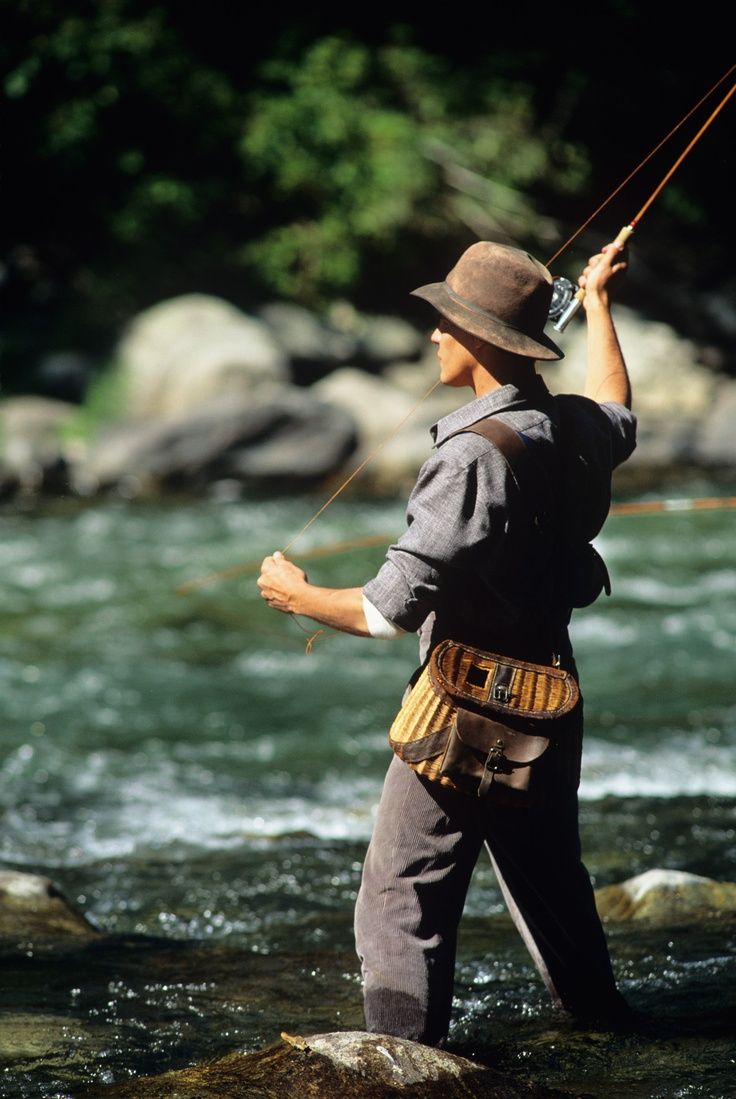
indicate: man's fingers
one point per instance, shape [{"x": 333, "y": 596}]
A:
[
  {"x": 611, "y": 257},
  {"x": 273, "y": 559}
]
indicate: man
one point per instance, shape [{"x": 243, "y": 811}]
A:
[{"x": 473, "y": 566}]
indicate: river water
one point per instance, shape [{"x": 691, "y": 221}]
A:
[{"x": 203, "y": 789}]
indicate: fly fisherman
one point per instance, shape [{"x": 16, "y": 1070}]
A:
[{"x": 472, "y": 567}]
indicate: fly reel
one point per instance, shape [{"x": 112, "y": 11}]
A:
[{"x": 564, "y": 304}]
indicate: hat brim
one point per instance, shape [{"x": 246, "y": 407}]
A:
[{"x": 480, "y": 323}]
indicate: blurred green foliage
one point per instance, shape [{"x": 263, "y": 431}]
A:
[
  {"x": 357, "y": 147},
  {"x": 104, "y": 402},
  {"x": 156, "y": 149},
  {"x": 342, "y": 162}
]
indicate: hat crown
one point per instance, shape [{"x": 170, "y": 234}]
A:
[{"x": 505, "y": 282}]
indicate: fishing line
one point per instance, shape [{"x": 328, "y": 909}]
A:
[
  {"x": 254, "y": 566},
  {"x": 238, "y": 570},
  {"x": 563, "y": 320},
  {"x": 653, "y": 507},
  {"x": 361, "y": 467},
  {"x": 341, "y": 488}
]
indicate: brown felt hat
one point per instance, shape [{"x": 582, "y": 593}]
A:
[{"x": 500, "y": 294}]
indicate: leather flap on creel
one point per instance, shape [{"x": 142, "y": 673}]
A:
[{"x": 482, "y": 735}]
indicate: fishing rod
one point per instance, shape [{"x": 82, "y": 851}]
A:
[
  {"x": 566, "y": 300},
  {"x": 658, "y": 507}
]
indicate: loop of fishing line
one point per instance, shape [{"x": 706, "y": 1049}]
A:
[{"x": 564, "y": 318}]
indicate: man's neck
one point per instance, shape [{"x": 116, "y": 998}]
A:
[{"x": 499, "y": 368}]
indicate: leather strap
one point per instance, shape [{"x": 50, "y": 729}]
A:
[
  {"x": 517, "y": 454},
  {"x": 508, "y": 441}
]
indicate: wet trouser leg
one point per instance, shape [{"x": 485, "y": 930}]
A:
[{"x": 415, "y": 878}]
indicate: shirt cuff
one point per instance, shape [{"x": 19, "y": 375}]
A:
[{"x": 378, "y": 626}]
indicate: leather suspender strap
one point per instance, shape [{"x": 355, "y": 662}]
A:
[
  {"x": 508, "y": 441},
  {"x": 517, "y": 455}
]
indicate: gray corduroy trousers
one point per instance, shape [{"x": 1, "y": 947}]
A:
[{"x": 425, "y": 844}]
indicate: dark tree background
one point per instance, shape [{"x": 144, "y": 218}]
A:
[{"x": 157, "y": 149}]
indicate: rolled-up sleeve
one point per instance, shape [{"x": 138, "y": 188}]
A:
[{"x": 456, "y": 506}]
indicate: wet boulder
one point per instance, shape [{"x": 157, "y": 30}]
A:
[
  {"x": 32, "y": 907},
  {"x": 339, "y": 1065},
  {"x": 666, "y": 897}
]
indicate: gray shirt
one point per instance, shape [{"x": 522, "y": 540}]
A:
[{"x": 457, "y": 570}]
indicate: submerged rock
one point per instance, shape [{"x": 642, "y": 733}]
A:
[
  {"x": 32, "y": 907},
  {"x": 339, "y": 1065},
  {"x": 667, "y": 896}
]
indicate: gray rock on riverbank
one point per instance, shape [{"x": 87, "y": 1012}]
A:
[
  {"x": 183, "y": 352},
  {"x": 681, "y": 403},
  {"x": 283, "y": 440},
  {"x": 33, "y": 455}
]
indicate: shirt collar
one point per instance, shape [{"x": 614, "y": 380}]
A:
[{"x": 505, "y": 399}]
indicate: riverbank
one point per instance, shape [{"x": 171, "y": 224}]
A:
[{"x": 206, "y": 399}]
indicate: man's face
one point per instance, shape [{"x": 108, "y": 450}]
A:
[{"x": 456, "y": 359}]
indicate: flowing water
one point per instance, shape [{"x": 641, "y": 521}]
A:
[{"x": 203, "y": 789}]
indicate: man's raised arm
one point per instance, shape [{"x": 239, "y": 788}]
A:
[{"x": 607, "y": 378}]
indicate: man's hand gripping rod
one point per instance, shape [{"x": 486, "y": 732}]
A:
[{"x": 577, "y": 300}]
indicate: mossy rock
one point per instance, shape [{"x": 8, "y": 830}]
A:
[
  {"x": 666, "y": 897},
  {"x": 340, "y": 1065}
]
